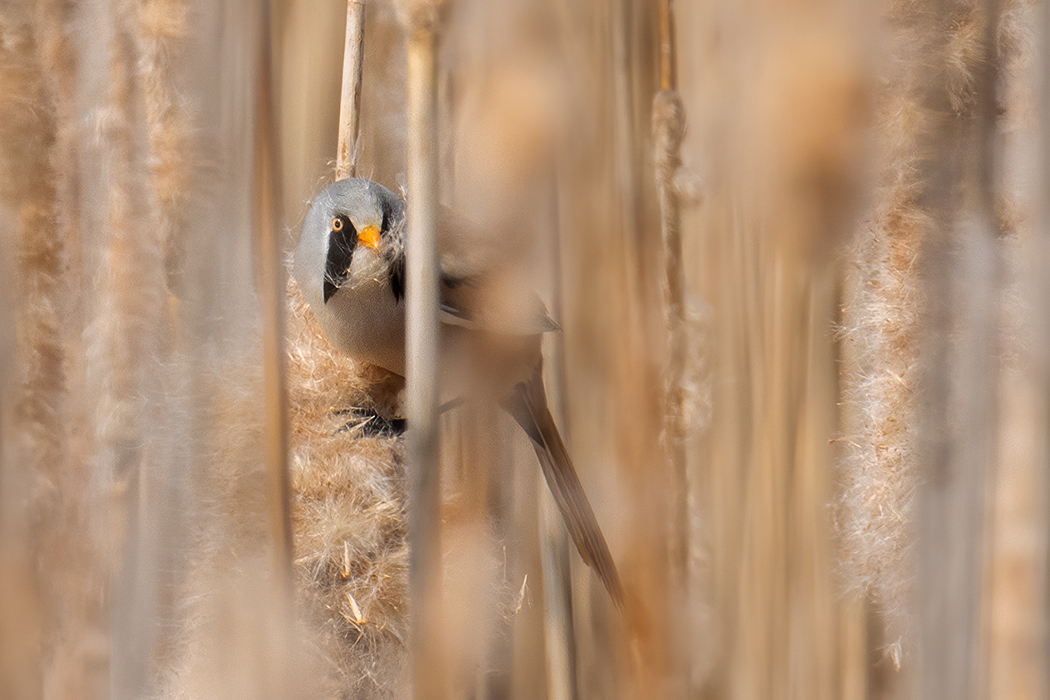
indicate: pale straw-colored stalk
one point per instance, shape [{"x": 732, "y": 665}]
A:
[
  {"x": 559, "y": 634},
  {"x": 668, "y": 124},
  {"x": 423, "y": 456},
  {"x": 128, "y": 334},
  {"x": 33, "y": 531},
  {"x": 350, "y": 97},
  {"x": 960, "y": 379},
  {"x": 1041, "y": 298},
  {"x": 272, "y": 299}
]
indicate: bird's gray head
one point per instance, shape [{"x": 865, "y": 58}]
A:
[{"x": 350, "y": 224}]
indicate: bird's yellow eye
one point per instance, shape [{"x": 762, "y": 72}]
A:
[{"x": 337, "y": 223}]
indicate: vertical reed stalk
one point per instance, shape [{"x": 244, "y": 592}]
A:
[
  {"x": 668, "y": 125},
  {"x": 34, "y": 534},
  {"x": 350, "y": 98},
  {"x": 1041, "y": 286},
  {"x": 559, "y": 635},
  {"x": 422, "y": 358},
  {"x": 668, "y": 56},
  {"x": 961, "y": 383},
  {"x": 271, "y": 297},
  {"x": 130, "y": 329}
]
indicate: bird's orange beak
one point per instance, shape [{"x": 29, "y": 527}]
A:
[{"x": 369, "y": 236}]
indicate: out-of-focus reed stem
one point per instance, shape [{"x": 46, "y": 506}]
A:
[
  {"x": 33, "y": 386},
  {"x": 422, "y": 359},
  {"x": 668, "y": 57},
  {"x": 1041, "y": 275},
  {"x": 271, "y": 297},
  {"x": 559, "y": 634},
  {"x": 668, "y": 119},
  {"x": 350, "y": 100},
  {"x": 960, "y": 383},
  {"x": 130, "y": 323},
  {"x": 668, "y": 124}
]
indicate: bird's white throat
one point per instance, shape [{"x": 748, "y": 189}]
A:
[{"x": 366, "y": 267}]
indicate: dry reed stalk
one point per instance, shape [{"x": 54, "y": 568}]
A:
[
  {"x": 421, "y": 349},
  {"x": 162, "y": 27},
  {"x": 33, "y": 391},
  {"x": 272, "y": 299},
  {"x": 961, "y": 261},
  {"x": 1041, "y": 298},
  {"x": 128, "y": 334},
  {"x": 1038, "y": 288},
  {"x": 1014, "y": 601},
  {"x": 43, "y": 508},
  {"x": 668, "y": 125},
  {"x": 62, "y": 55},
  {"x": 882, "y": 328},
  {"x": 559, "y": 636},
  {"x": 668, "y": 55},
  {"x": 702, "y": 77},
  {"x": 27, "y": 187},
  {"x": 64, "y": 52},
  {"x": 350, "y": 97},
  {"x": 70, "y": 547},
  {"x": 652, "y": 613}
]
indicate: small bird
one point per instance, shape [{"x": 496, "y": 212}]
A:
[{"x": 350, "y": 267}]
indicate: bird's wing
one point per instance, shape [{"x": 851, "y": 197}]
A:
[
  {"x": 459, "y": 303},
  {"x": 481, "y": 287},
  {"x": 528, "y": 405},
  {"x": 477, "y": 303}
]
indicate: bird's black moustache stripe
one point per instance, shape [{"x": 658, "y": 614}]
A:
[
  {"x": 397, "y": 264},
  {"x": 341, "y": 246},
  {"x": 397, "y": 277}
]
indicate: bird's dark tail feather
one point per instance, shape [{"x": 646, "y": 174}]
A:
[{"x": 528, "y": 406}]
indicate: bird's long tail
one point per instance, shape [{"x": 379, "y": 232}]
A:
[{"x": 528, "y": 406}]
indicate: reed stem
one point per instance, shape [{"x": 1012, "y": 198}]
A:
[
  {"x": 350, "y": 99},
  {"x": 422, "y": 365},
  {"x": 668, "y": 123},
  {"x": 271, "y": 293}
]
